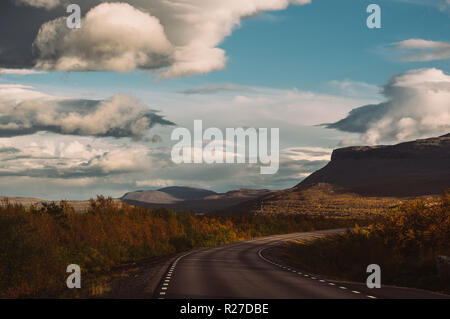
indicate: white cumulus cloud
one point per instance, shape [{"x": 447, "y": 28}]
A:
[
  {"x": 175, "y": 38},
  {"x": 114, "y": 36},
  {"x": 418, "y": 105}
]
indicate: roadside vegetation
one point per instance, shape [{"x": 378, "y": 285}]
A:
[
  {"x": 328, "y": 200},
  {"x": 404, "y": 241},
  {"x": 39, "y": 242}
]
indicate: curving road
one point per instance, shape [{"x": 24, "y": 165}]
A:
[{"x": 240, "y": 270}]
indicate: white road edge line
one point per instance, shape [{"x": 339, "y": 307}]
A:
[
  {"x": 305, "y": 275},
  {"x": 169, "y": 274}
]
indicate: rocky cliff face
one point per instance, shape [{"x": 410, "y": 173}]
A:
[
  {"x": 431, "y": 148},
  {"x": 415, "y": 168}
]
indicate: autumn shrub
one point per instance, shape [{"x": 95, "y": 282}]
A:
[
  {"x": 404, "y": 242},
  {"x": 37, "y": 243}
]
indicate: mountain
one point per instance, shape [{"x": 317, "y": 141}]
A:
[
  {"x": 421, "y": 167},
  {"x": 184, "y": 199},
  {"x": 364, "y": 179},
  {"x": 187, "y": 193},
  {"x": 150, "y": 197},
  {"x": 167, "y": 195}
]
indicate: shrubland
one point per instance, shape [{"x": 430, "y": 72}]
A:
[
  {"x": 38, "y": 243},
  {"x": 405, "y": 241}
]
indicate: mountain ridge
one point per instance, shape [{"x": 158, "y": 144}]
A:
[
  {"x": 364, "y": 179},
  {"x": 168, "y": 195},
  {"x": 415, "y": 168},
  {"x": 184, "y": 198}
]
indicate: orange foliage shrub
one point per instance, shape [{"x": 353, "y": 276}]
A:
[
  {"x": 404, "y": 241},
  {"x": 38, "y": 243}
]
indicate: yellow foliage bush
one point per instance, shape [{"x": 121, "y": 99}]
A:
[{"x": 38, "y": 243}]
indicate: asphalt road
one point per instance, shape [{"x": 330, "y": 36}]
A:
[{"x": 240, "y": 270}]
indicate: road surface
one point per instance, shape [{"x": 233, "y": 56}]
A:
[{"x": 240, "y": 270}]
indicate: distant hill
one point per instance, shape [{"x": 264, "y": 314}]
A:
[
  {"x": 79, "y": 206},
  {"x": 184, "y": 199},
  {"x": 25, "y": 201},
  {"x": 150, "y": 197},
  {"x": 168, "y": 195},
  {"x": 187, "y": 193},
  {"x": 242, "y": 193},
  {"x": 364, "y": 179},
  {"x": 178, "y": 198}
]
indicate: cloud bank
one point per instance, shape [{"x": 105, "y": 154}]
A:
[
  {"x": 46, "y": 4},
  {"x": 19, "y": 71},
  {"x": 214, "y": 88},
  {"x": 119, "y": 116},
  {"x": 423, "y": 50},
  {"x": 74, "y": 166},
  {"x": 418, "y": 105},
  {"x": 69, "y": 160}
]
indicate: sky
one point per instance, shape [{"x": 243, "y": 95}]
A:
[{"x": 90, "y": 111}]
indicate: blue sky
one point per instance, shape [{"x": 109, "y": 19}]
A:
[
  {"x": 329, "y": 40},
  {"x": 303, "y": 47},
  {"x": 290, "y": 68}
]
